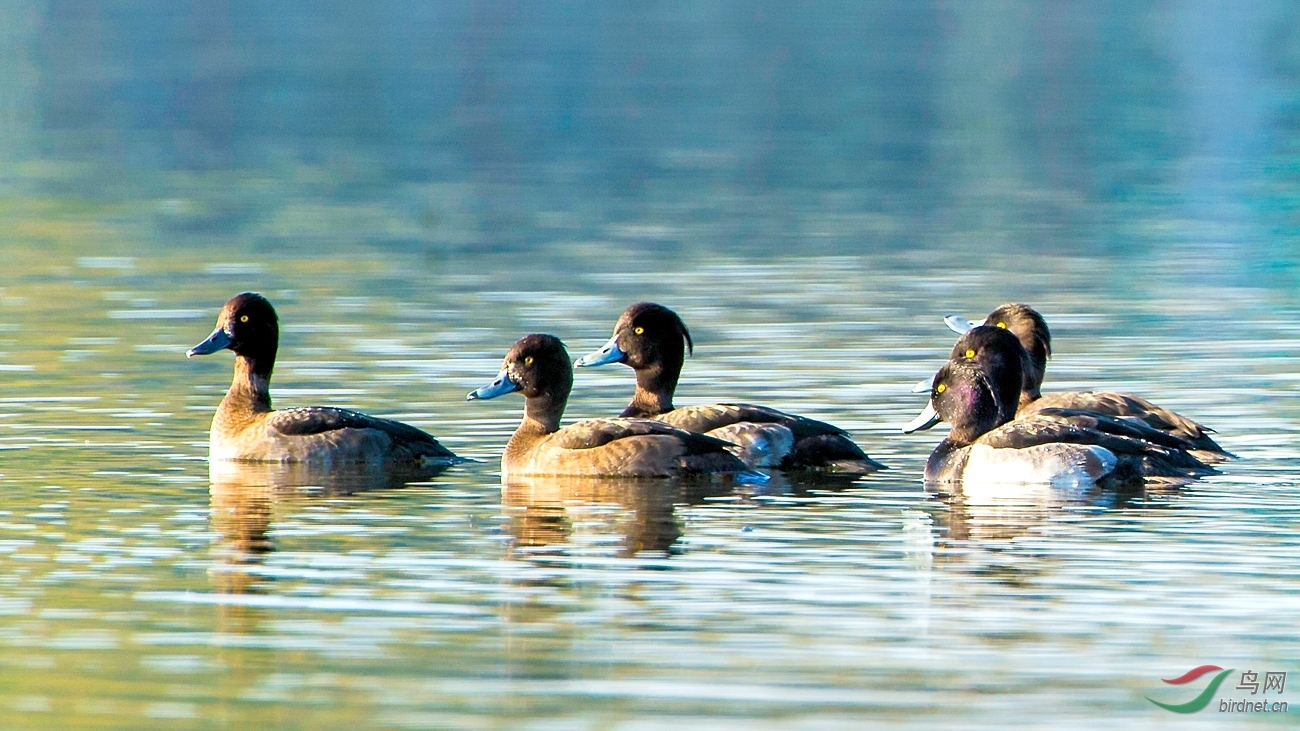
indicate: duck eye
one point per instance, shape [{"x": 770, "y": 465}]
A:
[
  {"x": 1002, "y": 325},
  {"x": 970, "y": 353},
  {"x": 528, "y": 360},
  {"x": 639, "y": 330},
  {"x": 243, "y": 318},
  {"x": 941, "y": 388}
]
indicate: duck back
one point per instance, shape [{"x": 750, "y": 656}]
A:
[{"x": 617, "y": 448}]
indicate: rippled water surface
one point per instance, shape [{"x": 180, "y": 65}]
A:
[
  {"x": 811, "y": 186},
  {"x": 139, "y": 589}
]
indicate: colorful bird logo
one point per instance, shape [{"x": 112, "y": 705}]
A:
[{"x": 1201, "y": 700}]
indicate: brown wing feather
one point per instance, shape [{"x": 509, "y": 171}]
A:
[
  {"x": 1126, "y": 405},
  {"x": 1124, "y": 426},
  {"x": 1117, "y": 404},
  {"x": 756, "y": 430},
  {"x": 321, "y": 420},
  {"x": 593, "y": 433},
  {"x": 715, "y": 416},
  {"x": 1036, "y": 430},
  {"x": 652, "y": 454}
]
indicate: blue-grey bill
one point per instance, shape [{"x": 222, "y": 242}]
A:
[
  {"x": 499, "y": 386},
  {"x": 959, "y": 324},
  {"x": 924, "y": 420},
  {"x": 923, "y": 386},
  {"x": 608, "y": 353},
  {"x": 218, "y": 340}
]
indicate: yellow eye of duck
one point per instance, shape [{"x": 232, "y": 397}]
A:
[
  {"x": 970, "y": 353},
  {"x": 638, "y": 330},
  {"x": 1002, "y": 325},
  {"x": 941, "y": 388},
  {"x": 528, "y": 360},
  {"x": 243, "y": 318}
]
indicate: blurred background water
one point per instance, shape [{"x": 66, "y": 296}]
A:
[{"x": 811, "y": 185}]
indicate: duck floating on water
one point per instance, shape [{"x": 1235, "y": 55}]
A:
[
  {"x": 538, "y": 366},
  {"x": 991, "y": 442},
  {"x": 654, "y": 342},
  {"x": 247, "y": 428},
  {"x": 1030, "y": 328}
]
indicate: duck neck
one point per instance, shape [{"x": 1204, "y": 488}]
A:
[
  {"x": 961, "y": 435},
  {"x": 1028, "y": 396},
  {"x": 1038, "y": 354},
  {"x": 1009, "y": 398},
  {"x": 542, "y": 414},
  {"x": 655, "y": 385},
  {"x": 251, "y": 387},
  {"x": 541, "y": 417},
  {"x": 1035, "y": 365}
]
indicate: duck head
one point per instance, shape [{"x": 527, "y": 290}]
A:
[
  {"x": 654, "y": 342},
  {"x": 537, "y": 366},
  {"x": 999, "y": 354},
  {"x": 1029, "y": 327},
  {"x": 646, "y": 335},
  {"x": 966, "y": 397},
  {"x": 247, "y": 325}
]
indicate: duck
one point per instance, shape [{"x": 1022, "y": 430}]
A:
[
  {"x": 654, "y": 341},
  {"x": 999, "y": 353},
  {"x": 246, "y": 428},
  {"x": 984, "y": 446},
  {"x": 538, "y": 367},
  {"x": 1030, "y": 329}
]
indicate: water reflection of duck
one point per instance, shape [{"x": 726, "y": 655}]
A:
[
  {"x": 242, "y": 498},
  {"x": 543, "y": 510},
  {"x": 992, "y": 519},
  {"x": 538, "y": 367},
  {"x": 245, "y": 426},
  {"x": 1035, "y": 338},
  {"x": 241, "y": 517},
  {"x": 1059, "y": 447},
  {"x": 988, "y": 515},
  {"x": 653, "y": 341}
]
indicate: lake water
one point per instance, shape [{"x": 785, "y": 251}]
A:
[
  {"x": 138, "y": 591},
  {"x": 811, "y": 191}
]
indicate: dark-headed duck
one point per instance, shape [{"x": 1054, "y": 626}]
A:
[
  {"x": 1061, "y": 449},
  {"x": 246, "y": 428},
  {"x": 653, "y": 341},
  {"x": 538, "y": 367},
  {"x": 1031, "y": 330}
]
